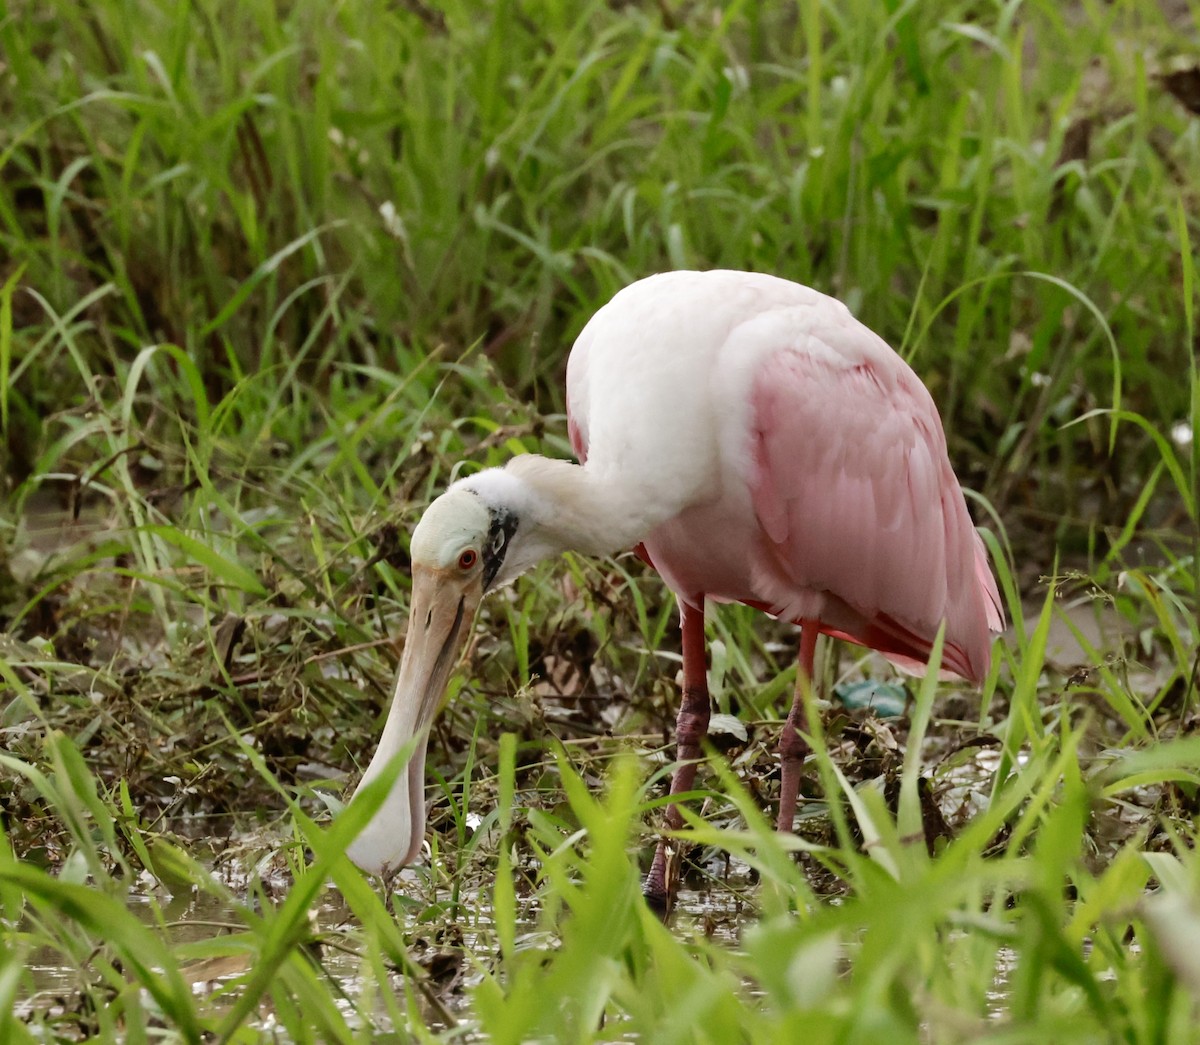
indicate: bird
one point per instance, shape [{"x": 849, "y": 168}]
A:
[{"x": 753, "y": 442}]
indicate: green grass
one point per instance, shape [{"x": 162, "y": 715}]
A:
[{"x": 269, "y": 274}]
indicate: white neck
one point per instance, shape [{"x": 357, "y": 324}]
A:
[
  {"x": 589, "y": 513},
  {"x": 567, "y": 507}
]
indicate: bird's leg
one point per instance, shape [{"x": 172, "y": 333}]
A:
[
  {"x": 792, "y": 747},
  {"x": 690, "y": 730}
]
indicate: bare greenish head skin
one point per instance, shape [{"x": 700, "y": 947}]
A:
[{"x": 455, "y": 522}]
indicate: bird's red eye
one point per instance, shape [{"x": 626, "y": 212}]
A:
[{"x": 467, "y": 559}]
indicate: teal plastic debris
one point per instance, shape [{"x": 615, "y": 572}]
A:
[{"x": 886, "y": 699}]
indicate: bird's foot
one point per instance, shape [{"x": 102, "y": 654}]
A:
[
  {"x": 658, "y": 900},
  {"x": 662, "y": 882}
]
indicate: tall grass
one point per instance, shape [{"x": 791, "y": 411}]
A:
[
  {"x": 1021, "y": 941},
  {"x": 269, "y": 274}
]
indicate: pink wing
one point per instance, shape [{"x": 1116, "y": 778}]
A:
[
  {"x": 862, "y": 511},
  {"x": 577, "y": 421},
  {"x": 577, "y": 442}
]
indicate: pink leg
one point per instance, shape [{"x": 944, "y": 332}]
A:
[
  {"x": 792, "y": 747},
  {"x": 690, "y": 729}
]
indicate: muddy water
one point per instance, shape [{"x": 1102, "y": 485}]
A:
[
  {"x": 451, "y": 950},
  {"x": 61, "y": 990}
]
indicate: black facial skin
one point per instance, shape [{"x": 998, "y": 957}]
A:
[{"x": 503, "y": 525}]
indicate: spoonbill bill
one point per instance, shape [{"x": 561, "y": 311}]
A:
[{"x": 754, "y": 443}]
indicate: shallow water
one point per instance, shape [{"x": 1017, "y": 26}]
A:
[{"x": 450, "y": 951}]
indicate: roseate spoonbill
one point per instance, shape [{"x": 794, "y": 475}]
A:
[{"x": 754, "y": 442}]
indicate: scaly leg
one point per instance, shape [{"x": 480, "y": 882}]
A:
[
  {"x": 690, "y": 729},
  {"x": 792, "y": 747}
]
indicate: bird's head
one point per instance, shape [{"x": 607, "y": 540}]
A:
[
  {"x": 482, "y": 533},
  {"x": 467, "y": 542}
]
